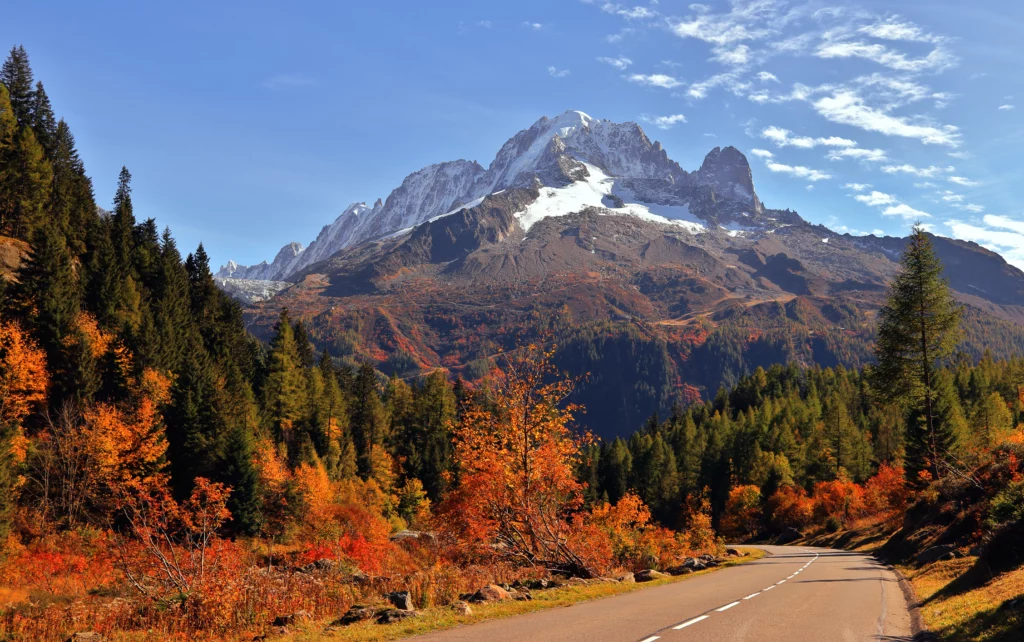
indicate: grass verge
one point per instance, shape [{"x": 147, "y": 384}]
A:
[{"x": 437, "y": 619}]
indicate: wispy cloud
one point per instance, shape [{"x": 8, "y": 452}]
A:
[
  {"x": 924, "y": 172},
  {"x": 798, "y": 171},
  {"x": 875, "y": 199},
  {"x": 1006, "y": 107},
  {"x": 664, "y": 122},
  {"x": 536, "y": 26},
  {"x": 619, "y": 63},
  {"x": 998, "y": 233},
  {"x": 905, "y": 211},
  {"x": 960, "y": 180},
  {"x": 767, "y": 76},
  {"x": 857, "y": 187},
  {"x": 763, "y": 153},
  {"x": 785, "y": 138},
  {"x": 848, "y": 108},
  {"x": 655, "y": 80},
  {"x": 740, "y": 55},
  {"x": 858, "y": 153},
  {"x": 555, "y": 72}
]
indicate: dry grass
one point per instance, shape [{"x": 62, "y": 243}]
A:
[
  {"x": 958, "y": 610},
  {"x": 440, "y": 618}
]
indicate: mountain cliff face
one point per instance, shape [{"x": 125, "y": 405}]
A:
[
  {"x": 553, "y": 152},
  {"x": 661, "y": 283}
]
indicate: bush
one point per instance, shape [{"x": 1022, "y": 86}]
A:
[
  {"x": 1008, "y": 505},
  {"x": 833, "y": 524}
]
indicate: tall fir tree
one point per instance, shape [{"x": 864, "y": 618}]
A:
[
  {"x": 918, "y": 327},
  {"x": 16, "y": 75},
  {"x": 44, "y": 123}
]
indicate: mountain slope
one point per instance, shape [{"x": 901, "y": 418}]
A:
[{"x": 662, "y": 283}]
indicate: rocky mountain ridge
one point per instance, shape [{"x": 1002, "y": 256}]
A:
[{"x": 551, "y": 153}]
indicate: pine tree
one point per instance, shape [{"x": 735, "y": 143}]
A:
[
  {"x": 49, "y": 288},
  {"x": 918, "y": 327},
  {"x": 25, "y": 174},
  {"x": 239, "y": 472},
  {"x": 16, "y": 75},
  {"x": 196, "y": 431},
  {"x": 285, "y": 399},
  {"x": 369, "y": 420},
  {"x": 44, "y": 124},
  {"x": 72, "y": 206},
  {"x": 172, "y": 315}
]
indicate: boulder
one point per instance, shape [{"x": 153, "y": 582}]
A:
[
  {"x": 401, "y": 600},
  {"x": 733, "y": 552},
  {"x": 322, "y": 565},
  {"x": 935, "y": 553},
  {"x": 357, "y": 613},
  {"x": 490, "y": 593},
  {"x": 462, "y": 608},
  {"x": 648, "y": 575},
  {"x": 407, "y": 536},
  {"x": 625, "y": 578},
  {"x": 390, "y": 616},
  {"x": 788, "y": 535},
  {"x": 292, "y": 618}
]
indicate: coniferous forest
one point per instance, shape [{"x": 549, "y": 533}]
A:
[{"x": 163, "y": 473}]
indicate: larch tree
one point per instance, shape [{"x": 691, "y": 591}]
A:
[{"x": 918, "y": 327}]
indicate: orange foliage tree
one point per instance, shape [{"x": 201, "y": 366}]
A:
[
  {"x": 789, "y": 507},
  {"x": 516, "y": 459},
  {"x": 742, "y": 517},
  {"x": 23, "y": 375},
  {"x": 838, "y": 501}
]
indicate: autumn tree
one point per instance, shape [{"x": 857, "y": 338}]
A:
[
  {"x": 516, "y": 458},
  {"x": 918, "y": 326},
  {"x": 23, "y": 384}
]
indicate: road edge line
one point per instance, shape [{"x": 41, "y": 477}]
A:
[{"x": 917, "y": 626}]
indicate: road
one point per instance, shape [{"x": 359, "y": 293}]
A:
[{"x": 796, "y": 594}]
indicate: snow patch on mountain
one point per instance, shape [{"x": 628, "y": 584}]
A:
[{"x": 594, "y": 191}]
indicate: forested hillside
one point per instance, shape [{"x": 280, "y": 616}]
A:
[{"x": 164, "y": 474}]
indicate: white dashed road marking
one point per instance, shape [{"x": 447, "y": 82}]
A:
[
  {"x": 701, "y": 618},
  {"x": 689, "y": 622}
]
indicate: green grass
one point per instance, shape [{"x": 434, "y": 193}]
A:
[{"x": 436, "y": 619}]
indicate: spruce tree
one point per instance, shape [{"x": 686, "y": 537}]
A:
[
  {"x": 918, "y": 326},
  {"x": 16, "y": 75},
  {"x": 368, "y": 421},
  {"x": 44, "y": 124}
]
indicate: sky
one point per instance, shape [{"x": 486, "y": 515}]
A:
[{"x": 247, "y": 125}]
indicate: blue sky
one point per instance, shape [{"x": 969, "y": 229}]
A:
[{"x": 250, "y": 124}]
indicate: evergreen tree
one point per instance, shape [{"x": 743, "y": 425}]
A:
[
  {"x": 172, "y": 315},
  {"x": 369, "y": 420},
  {"x": 8, "y": 480},
  {"x": 285, "y": 401},
  {"x": 72, "y": 206},
  {"x": 16, "y": 75},
  {"x": 44, "y": 124},
  {"x": 49, "y": 289},
  {"x": 918, "y": 326},
  {"x": 239, "y": 472},
  {"x": 25, "y": 175},
  {"x": 196, "y": 431}
]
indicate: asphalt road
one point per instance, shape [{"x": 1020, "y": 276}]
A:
[{"x": 796, "y": 594}]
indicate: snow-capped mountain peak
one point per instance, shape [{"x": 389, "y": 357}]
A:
[{"x": 554, "y": 153}]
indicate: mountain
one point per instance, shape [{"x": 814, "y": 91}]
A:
[{"x": 661, "y": 283}]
